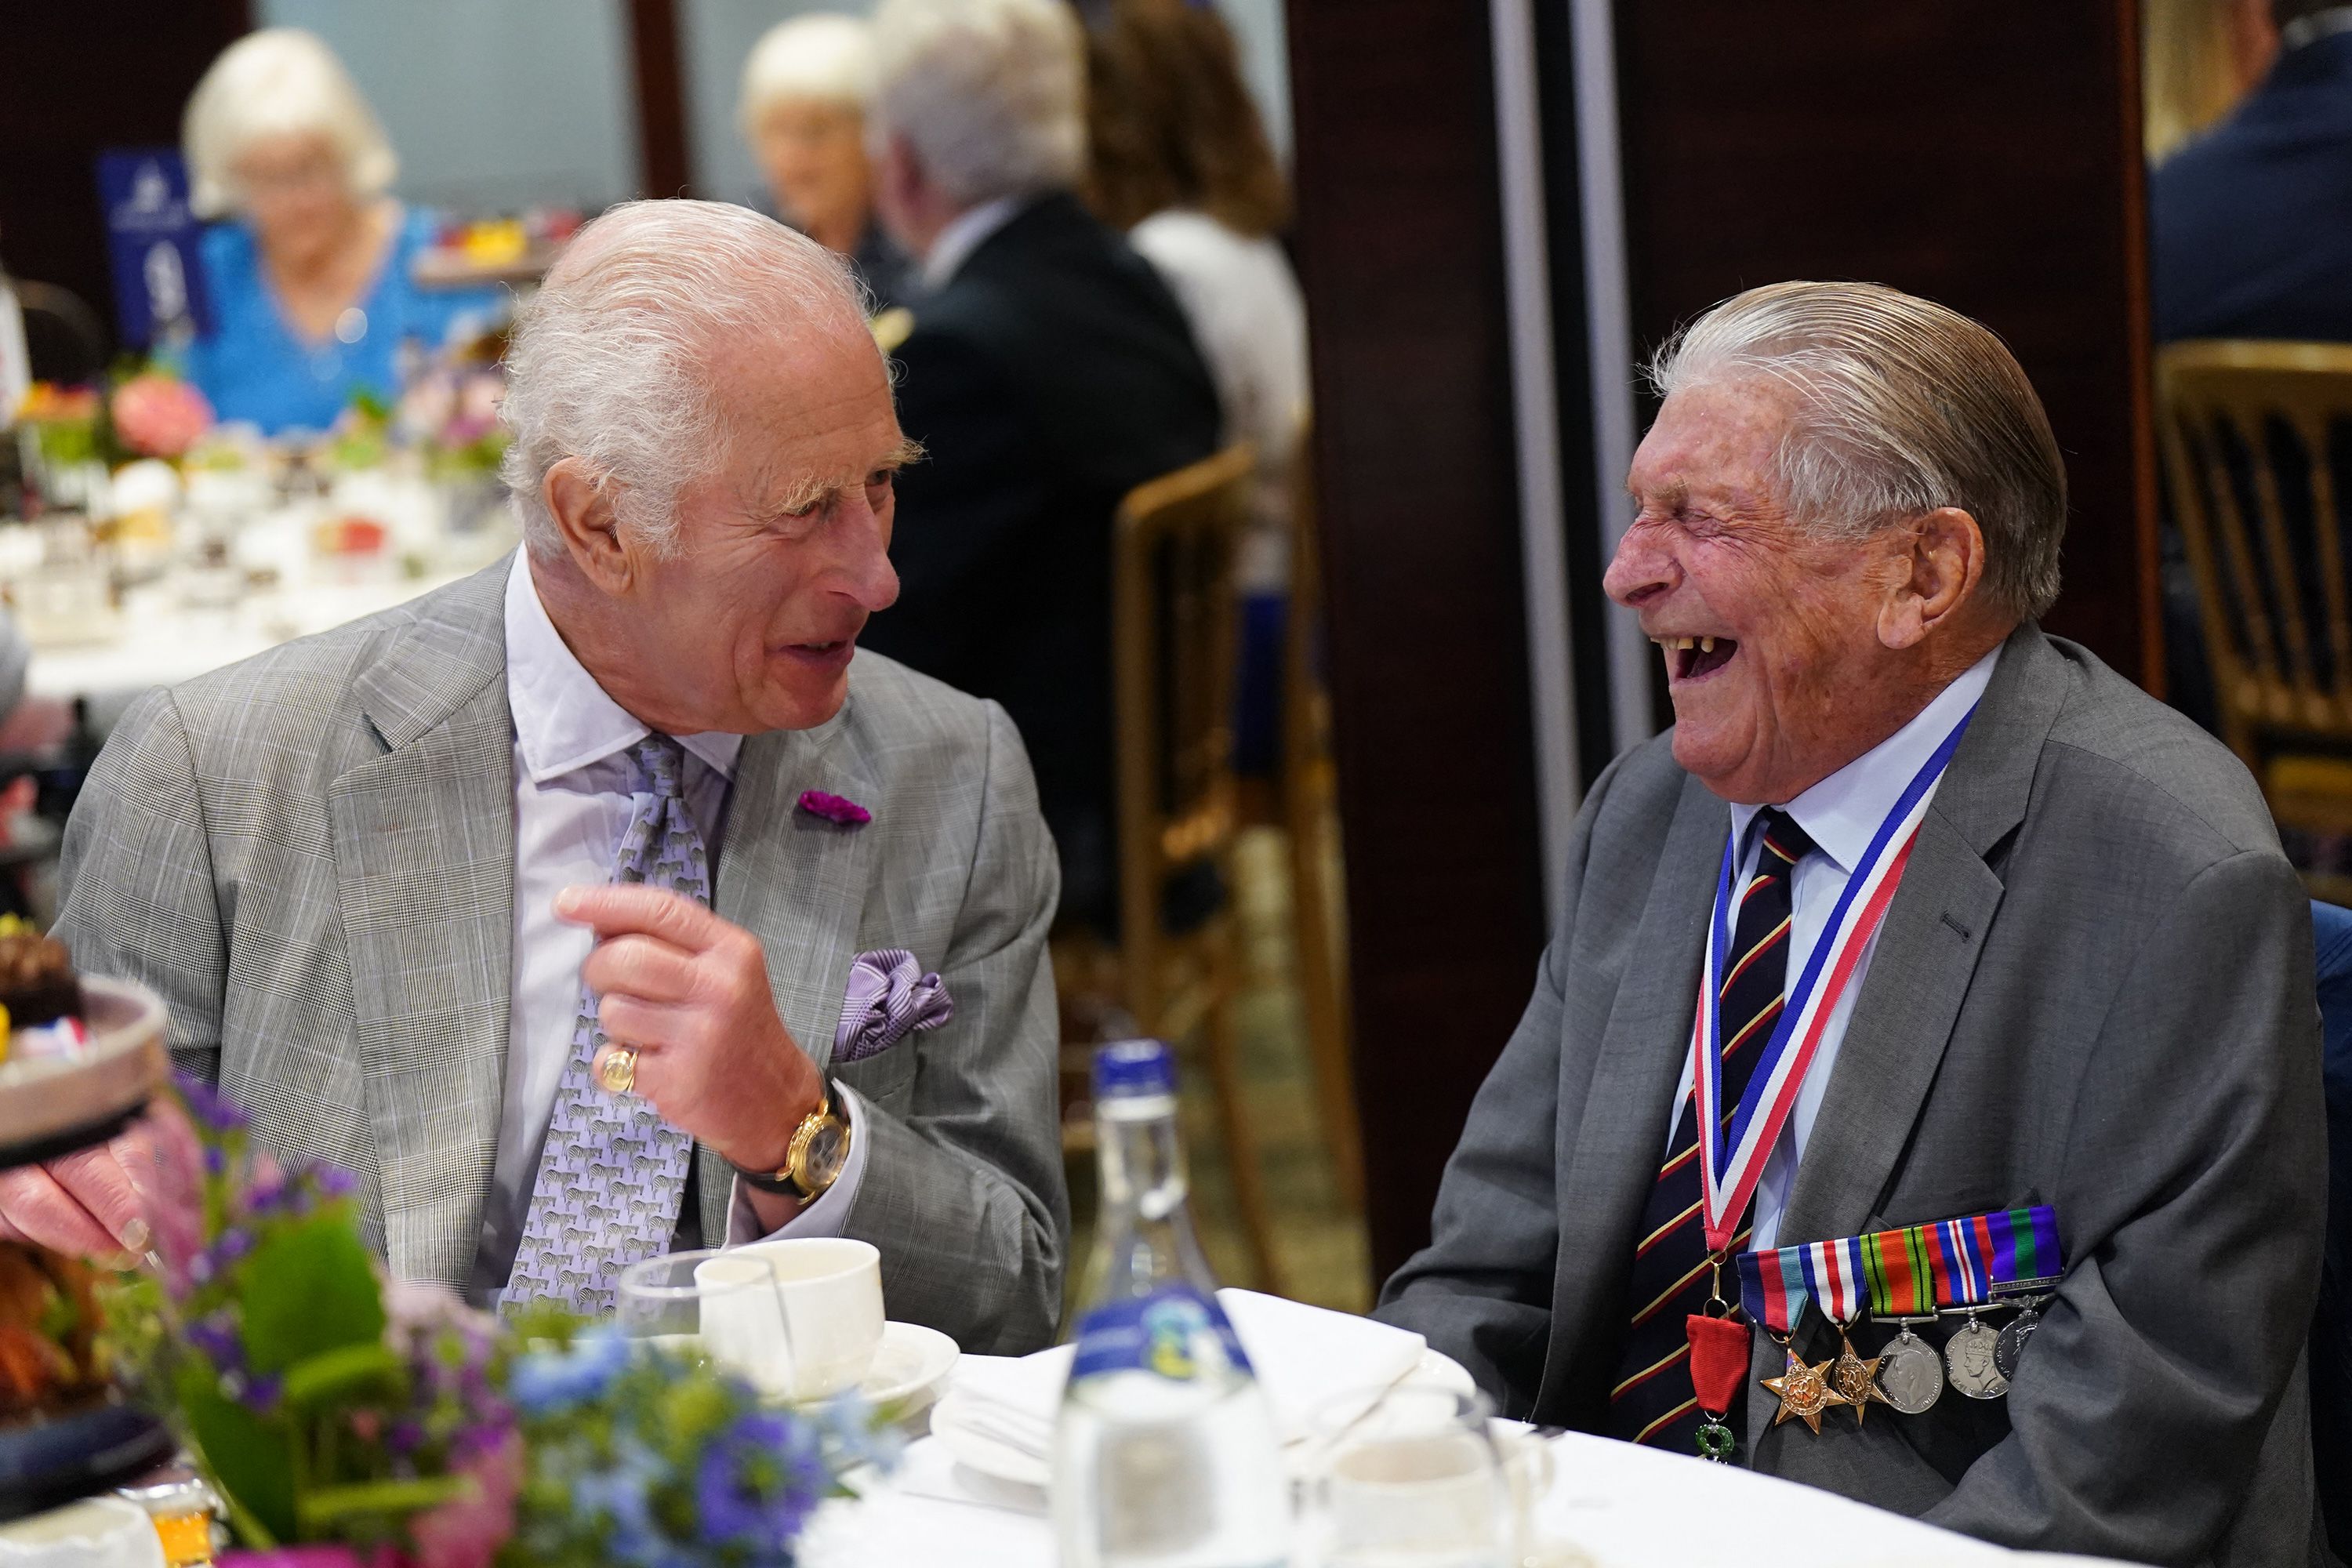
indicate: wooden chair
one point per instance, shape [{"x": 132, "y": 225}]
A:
[
  {"x": 1311, "y": 822},
  {"x": 2251, "y": 432},
  {"x": 1176, "y": 645}
]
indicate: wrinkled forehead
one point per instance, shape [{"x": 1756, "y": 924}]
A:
[
  {"x": 1716, "y": 440},
  {"x": 804, "y": 408}
]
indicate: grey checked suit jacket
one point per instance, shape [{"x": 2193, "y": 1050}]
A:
[
  {"x": 310, "y": 857},
  {"x": 2094, "y": 989}
]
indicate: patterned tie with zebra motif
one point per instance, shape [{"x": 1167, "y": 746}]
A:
[{"x": 612, "y": 1171}]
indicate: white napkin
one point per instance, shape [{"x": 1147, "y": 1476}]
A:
[{"x": 1305, "y": 1357}]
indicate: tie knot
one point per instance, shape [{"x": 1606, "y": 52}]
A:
[
  {"x": 661, "y": 765},
  {"x": 1782, "y": 836}
]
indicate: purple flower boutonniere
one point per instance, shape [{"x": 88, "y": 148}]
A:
[{"x": 835, "y": 808}]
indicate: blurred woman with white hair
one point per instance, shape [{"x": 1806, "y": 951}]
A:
[
  {"x": 311, "y": 275},
  {"x": 806, "y": 87}
]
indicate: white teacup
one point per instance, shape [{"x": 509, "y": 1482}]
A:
[{"x": 814, "y": 1331}]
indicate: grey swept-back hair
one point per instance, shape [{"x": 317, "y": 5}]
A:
[
  {"x": 608, "y": 361},
  {"x": 1903, "y": 406},
  {"x": 990, "y": 93}
]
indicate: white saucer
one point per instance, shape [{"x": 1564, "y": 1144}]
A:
[{"x": 909, "y": 1368}]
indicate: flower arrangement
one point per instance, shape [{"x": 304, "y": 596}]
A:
[
  {"x": 157, "y": 415},
  {"x": 387, "y": 1425}
]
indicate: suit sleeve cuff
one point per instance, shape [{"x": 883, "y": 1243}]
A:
[{"x": 822, "y": 1217}]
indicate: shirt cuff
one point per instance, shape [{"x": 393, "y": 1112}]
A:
[{"x": 822, "y": 1217}]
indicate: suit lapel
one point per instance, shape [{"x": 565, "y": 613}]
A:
[
  {"x": 798, "y": 883},
  {"x": 423, "y": 837},
  {"x": 1613, "y": 1153}
]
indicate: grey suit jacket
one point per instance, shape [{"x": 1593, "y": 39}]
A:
[
  {"x": 310, "y": 857},
  {"x": 2094, "y": 989}
]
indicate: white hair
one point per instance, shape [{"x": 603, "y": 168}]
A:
[
  {"x": 823, "y": 55},
  {"x": 991, "y": 94},
  {"x": 1903, "y": 406},
  {"x": 606, "y": 364},
  {"x": 279, "y": 81}
]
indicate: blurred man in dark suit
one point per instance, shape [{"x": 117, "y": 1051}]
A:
[
  {"x": 2251, "y": 225},
  {"x": 1047, "y": 371}
]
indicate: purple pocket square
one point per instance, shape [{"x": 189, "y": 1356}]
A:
[{"x": 889, "y": 997}]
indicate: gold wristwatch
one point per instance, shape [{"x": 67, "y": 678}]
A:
[{"x": 816, "y": 1156}]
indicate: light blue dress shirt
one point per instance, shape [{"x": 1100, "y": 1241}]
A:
[
  {"x": 1841, "y": 813},
  {"x": 571, "y": 779}
]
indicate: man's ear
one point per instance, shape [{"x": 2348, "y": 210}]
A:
[
  {"x": 582, "y": 510},
  {"x": 1944, "y": 552}
]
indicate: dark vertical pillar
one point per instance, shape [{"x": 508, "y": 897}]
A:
[
  {"x": 74, "y": 81},
  {"x": 1985, "y": 155},
  {"x": 1399, "y": 240},
  {"x": 660, "y": 76}
]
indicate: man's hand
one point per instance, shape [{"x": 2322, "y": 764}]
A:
[
  {"x": 142, "y": 1190},
  {"x": 689, "y": 994}
]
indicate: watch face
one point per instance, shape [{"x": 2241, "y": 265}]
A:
[{"x": 828, "y": 1150}]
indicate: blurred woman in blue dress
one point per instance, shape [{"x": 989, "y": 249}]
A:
[{"x": 311, "y": 273}]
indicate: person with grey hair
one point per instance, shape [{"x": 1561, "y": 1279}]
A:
[
  {"x": 1047, "y": 371},
  {"x": 1978, "y": 969},
  {"x": 611, "y": 901}
]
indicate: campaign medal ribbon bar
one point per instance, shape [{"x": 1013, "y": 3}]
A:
[{"x": 1905, "y": 1277}]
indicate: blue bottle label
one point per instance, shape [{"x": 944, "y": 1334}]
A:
[{"x": 1175, "y": 1333}]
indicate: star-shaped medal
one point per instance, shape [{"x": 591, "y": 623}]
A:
[
  {"x": 1856, "y": 1379},
  {"x": 1804, "y": 1390}
]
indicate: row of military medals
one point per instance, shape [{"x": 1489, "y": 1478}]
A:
[
  {"x": 2009, "y": 1262},
  {"x": 1909, "y": 1373}
]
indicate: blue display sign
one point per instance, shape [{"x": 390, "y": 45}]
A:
[{"x": 150, "y": 237}]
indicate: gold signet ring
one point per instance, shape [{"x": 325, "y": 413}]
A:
[{"x": 618, "y": 1070}]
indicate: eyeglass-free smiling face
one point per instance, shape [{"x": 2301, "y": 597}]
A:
[{"x": 1788, "y": 652}]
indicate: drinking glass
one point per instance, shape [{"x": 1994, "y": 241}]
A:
[
  {"x": 724, "y": 1303},
  {"x": 1408, "y": 1478}
]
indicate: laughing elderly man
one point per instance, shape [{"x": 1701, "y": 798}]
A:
[
  {"x": 1987, "y": 969},
  {"x": 609, "y": 901}
]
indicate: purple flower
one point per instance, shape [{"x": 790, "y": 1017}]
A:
[
  {"x": 334, "y": 1182},
  {"x": 216, "y": 1340},
  {"x": 758, "y": 1482},
  {"x": 210, "y": 1107},
  {"x": 260, "y": 1394},
  {"x": 835, "y": 808}
]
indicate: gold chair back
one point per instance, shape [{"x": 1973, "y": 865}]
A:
[
  {"x": 2256, "y": 436},
  {"x": 1176, "y": 647}
]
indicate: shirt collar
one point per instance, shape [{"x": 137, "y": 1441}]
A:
[
  {"x": 1843, "y": 812},
  {"x": 970, "y": 230},
  {"x": 563, "y": 721}
]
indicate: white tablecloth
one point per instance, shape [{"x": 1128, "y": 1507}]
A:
[
  {"x": 1621, "y": 1505},
  {"x": 162, "y": 642}
]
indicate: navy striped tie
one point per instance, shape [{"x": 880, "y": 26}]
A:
[{"x": 1652, "y": 1400}]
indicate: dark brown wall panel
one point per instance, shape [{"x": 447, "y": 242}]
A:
[
  {"x": 1400, "y": 252},
  {"x": 1983, "y": 154},
  {"x": 75, "y": 80}
]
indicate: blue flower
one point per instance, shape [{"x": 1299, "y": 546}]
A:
[
  {"x": 616, "y": 1501},
  {"x": 757, "y": 1483},
  {"x": 548, "y": 1381}
]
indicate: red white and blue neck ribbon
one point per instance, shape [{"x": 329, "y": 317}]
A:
[{"x": 1732, "y": 1157}]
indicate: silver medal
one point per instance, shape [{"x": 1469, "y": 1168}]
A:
[
  {"x": 2011, "y": 1344},
  {"x": 1968, "y": 1361},
  {"x": 1911, "y": 1373}
]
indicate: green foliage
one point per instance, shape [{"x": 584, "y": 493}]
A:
[{"x": 307, "y": 1291}]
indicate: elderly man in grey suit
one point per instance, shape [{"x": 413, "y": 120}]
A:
[
  {"x": 1983, "y": 969},
  {"x": 609, "y": 901}
]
